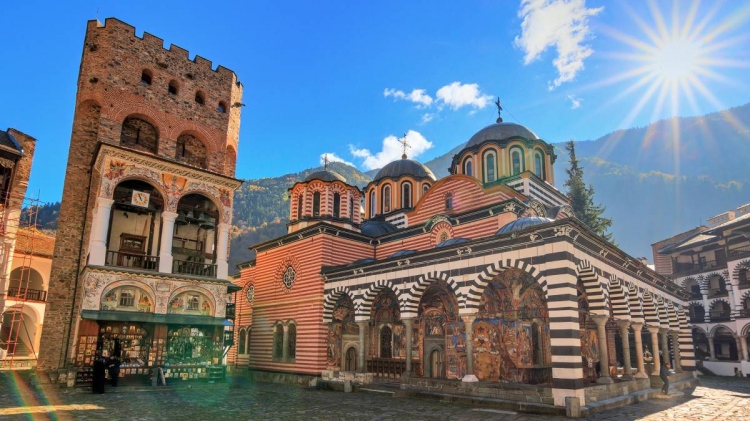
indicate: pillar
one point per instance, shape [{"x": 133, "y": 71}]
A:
[
  {"x": 624, "y": 326},
  {"x": 664, "y": 345},
  {"x": 676, "y": 348},
  {"x": 285, "y": 344},
  {"x": 637, "y": 328},
  {"x": 222, "y": 267},
  {"x": 99, "y": 229},
  {"x": 167, "y": 232},
  {"x": 655, "y": 344},
  {"x": 469, "y": 328},
  {"x": 738, "y": 344},
  {"x": 362, "y": 328},
  {"x": 601, "y": 321},
  {"x": 407, "y": 326},
  {"x": 711, "y": 348},
  {"x": 743, "y": 349}
]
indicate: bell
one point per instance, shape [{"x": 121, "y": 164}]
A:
[
  {"x": 205, "y": 222},
  {"x": 190, "y": 215},
  {"x": 180, "y": 220}
]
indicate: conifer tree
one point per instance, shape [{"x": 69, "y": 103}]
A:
[{"x": 582, "y": 197}]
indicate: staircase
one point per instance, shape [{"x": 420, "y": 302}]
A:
[{"x": 706, "y": 372}]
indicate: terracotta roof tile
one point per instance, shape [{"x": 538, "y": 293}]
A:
[{"x": 34, "y": 242}]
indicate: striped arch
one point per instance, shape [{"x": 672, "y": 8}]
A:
[
  {"x": 474, "y": 295},
  {"x": 636, "y": 305},
  {"x": 674, "y": 323},
  {"x": 330, "y": 302},
  {"x": 703, "y": 282},
  {"x": 363, "y": 307},
  {"x": 685, "y": 339},
  {"x": 597, "y": 293},
  {"x": 717, "y": 328},
  {"x": 414, "y": 295},
  {"x": 745, "y": 296},
  {"x": 745, "y": 330},
  {"x": 661, "y": 305},
  {"x": 745, "y": 264},
  {"x": 685, "y": 281},
  {"x": 618, "y": 296},
  {"x": 649, "y": 309}
]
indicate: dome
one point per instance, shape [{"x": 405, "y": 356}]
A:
[
  {"x": 500, "y": 131},
  {"x": 326, "y": 175},
  {"x": 522, "y": 224},
  {"x": 374, "y": 228},
  {"x": 402, "y": 167}
]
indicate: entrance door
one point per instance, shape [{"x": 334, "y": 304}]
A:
[
  {"x": 386, "y": 338},
  {"x": 436, "y": 364},
  {"x": 351, "y": 360}
]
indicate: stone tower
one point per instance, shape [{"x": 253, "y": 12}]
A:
[{"x": 152, "y": 154}]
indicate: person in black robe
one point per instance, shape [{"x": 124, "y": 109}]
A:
[
  {"x": 113, "y": 366},
  {"x": 100, "y": 373}
]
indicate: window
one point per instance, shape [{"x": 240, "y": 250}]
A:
[
  {"x": 406, "y": 195},
  {"x": 222, "y": 107},
  {"x": 742, "y": 275},
  {"x": 425, "y": 187},
  {"x": 299, "y": 206},
  {"x": 386, "y": 199},
  {"x": 191, "y": 150},
  {"x": 172, "y": 88},
  {"x": 243, "y": 337},
  {"x": 291, "y": 343},
  {"x": 127, "y": 298},
  {"x": 139, "y": 134},
  {"x": 516, "y": 160},
  {"x": 193, "y": 302},
  {"x": 200, "y": 97},
  {"x": 490, "y": 169},
  {"x": 372, "y": 204},
  {"x": 146, "y": 77},
  {"x": 336, "y": 205},
  {"x": 539, "y": 165},
  {"x": 449, "y": 201},
  {"x": 351, "y": 209},
  {"x": 316, "y": 203},
  {"x": 278, "y": 341},
  {"x": 467, "y": 167},
  {"x": 289, "y": 277}
]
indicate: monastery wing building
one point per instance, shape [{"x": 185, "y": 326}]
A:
[{"x": 480, "y": 276}]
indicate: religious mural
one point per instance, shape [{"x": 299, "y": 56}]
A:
[
  {"x": 589, "y": 336},
  {"x": 387, "y": 337},
  {"x": 190, "y": 302},
  {"x": 440, "y": 328},
  {"x": 342, "y": 324},
  {"x": 127, "y": 298}
]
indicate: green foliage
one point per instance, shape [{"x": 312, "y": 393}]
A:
[
  {"x": 582, "y": 197},
  {"x": 46, "y": 218}
]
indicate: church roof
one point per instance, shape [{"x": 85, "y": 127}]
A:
[
  {"x": 34, "y": 242},
  {"x": 500, "y": 131},
  {"x": 522, "y": 224},
  {"x": 326, "y": 175},
  {"x": 403, "y": 167},
  {"x": 375, "y": 228},
  {"x": 8, "y": 143}
]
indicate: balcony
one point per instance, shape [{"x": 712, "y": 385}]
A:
[
  {"x": 696, "y": 296},
  {"x": 717, "y": 292},
  {"x": 720, "y": 317},
  {"x": 132, "y": 260},
  {"x": 697, "y": 319},
  {"x": 27, "y": 294},
  {"x": 739, "y": 252},
  {"x": 689, "y": 268},
  {"x": 185, "y": 267},
  {"x": 744, "y": 313}
]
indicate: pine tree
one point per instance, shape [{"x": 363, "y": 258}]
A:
[{"x": 582, "y": 197}]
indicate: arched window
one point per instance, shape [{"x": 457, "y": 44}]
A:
[
  {"x": 127, "y": 297},
  {"x": 173, "y": 87},
  {"x": 336, "y": 205},
  {"x": 191, "y": 151},
  {"x": 316, "y": 203},
  {"x": 467, "y": 167},
  {"x": 373, "y": 207},
  {"x": 742, "y": 275},
  {"x": 386, "y": 199},
  {"x": 490, "y": 167},
  {"x": 405, "y": 195},
  {"x": 291, "y": 349},
  {"x": 351, "y": 209},
  {"x": 425, "y": 187},
  {"x": 241, "y": 346},
  {"x": 278, "y": 341},
  {"x": 222, "y": 107},
  {"x": 200, "y": 97},
  {"x": 146, "y": 77},
  {"x": 139, "y": 134},
  {"x": 516, "y": 161},
  {"x": 449, "y": 201},
  {"x": 299, "y": 206},
  {"x": 539, "y": 165}
]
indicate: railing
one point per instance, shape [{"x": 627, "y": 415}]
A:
[
  {"x": 739, "y": 251},
  {"x": 693, "y": 267},
  {"x": 386, "y": 367},
  {"x": 194, "y": 268},
  {"x": 722, "y": 317},
  {"x": 696, "y": 295},
  {"x": 744, "y": 312},
  {"x": 132, "y": 260},
  {"x": 27, "y": 294},
  {"x": 697, "y": 318},
  {"x": 717, "y": 292}
]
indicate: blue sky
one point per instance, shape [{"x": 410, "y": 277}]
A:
[{"x": 348, "y": 77}]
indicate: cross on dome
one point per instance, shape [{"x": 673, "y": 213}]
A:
[
  {"x": 405, "y": 144},
  {"x": 325, "y": 162},
  {"x": 499, "y": 110}
]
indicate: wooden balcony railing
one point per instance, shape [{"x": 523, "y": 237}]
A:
[
  {"x": 717, "y": 292},
  {"x": 744, "y": 312},
  {"x": 132, "y": 260},
  {"x": 720, "y": 317},
  {"x": 27, "y": 294},
  {"x": 739, "y": 251},
  {"x": 194, "y": 268}
]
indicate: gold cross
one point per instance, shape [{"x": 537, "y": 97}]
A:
[
  {"x": 405, "y": 144},
  {"x": 325, "y": 162}
]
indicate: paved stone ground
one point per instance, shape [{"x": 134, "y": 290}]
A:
[{"x": 715, "y": 399}]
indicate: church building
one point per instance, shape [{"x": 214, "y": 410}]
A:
[{"x": 480, "y": 280}]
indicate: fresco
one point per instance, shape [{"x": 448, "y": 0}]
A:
[
  {"x": 342, "y": 324},
  {"x": 190, "y": 302},
  {"x": 127, "y": 298},
  {"x": 439, "y": 326}
]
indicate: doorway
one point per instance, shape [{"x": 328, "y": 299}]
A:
[
  {"x": 350, "y": 361},
  {"x": 436, "y": 364}
]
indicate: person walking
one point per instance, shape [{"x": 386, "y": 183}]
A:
[
  {"x": 113, "y": 366},
  {"x": 100, "y": 373},
  {"x": 664, "y": 375}
]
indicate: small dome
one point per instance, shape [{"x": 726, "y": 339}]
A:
[
  {"x": 522, "y": 224},
  {"x": 500, "y": 131},
  {"x": 326, "y": 175},
  {"x": 374, "y": 228},
  {"x": 402, "y": 167}
]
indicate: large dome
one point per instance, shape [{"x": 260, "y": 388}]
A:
[
  {"x": 326, "y": 175},
  {"x": 402, "y": 167},
  {"x": 500, "y": 131},
  {"x": 522, "y": 224}
]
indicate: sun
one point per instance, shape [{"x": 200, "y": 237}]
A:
[{"x": 676, "y": 61}]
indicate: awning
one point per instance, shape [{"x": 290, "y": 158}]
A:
[{"x": 167, "y": 319}]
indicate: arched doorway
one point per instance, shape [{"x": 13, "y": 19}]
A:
[
  {"x": 387, "y": 354},
  {"x": 439, "y": 328},
  {"x": 386, "y": 342},
  {"x": 725, "y": 347},
  {"x": 700, "y": 342},
  {"x": 351, "y": 359},
  {"x": 18, "y": 332},
  {"x": 195, "y": 236},
  {"x": 341, "y": 330},
  {"x": 436, "y": 364}
]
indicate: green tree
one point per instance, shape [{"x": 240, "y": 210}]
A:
[{"x": 582, "y": 197}]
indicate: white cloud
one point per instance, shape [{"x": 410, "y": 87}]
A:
[
  {"x": 417, "y": 96},
  {"x": 575, "y": 102},
  {"x": 562, "y": 24},
  {"x": 457, "y": 95},
  {"x": 332, "y": 157},
  {"x": 392, "y": 150},
  {"x": 427, "y": 117}
]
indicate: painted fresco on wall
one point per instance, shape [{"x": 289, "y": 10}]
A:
[
  {"x": 385, "y": 312},
  {"x": 190, "y": 302},
  {"x": 127, "y": 298},
  {"x": 439, "y": 326},
  {"x": 399, "y": 341},
  {"x": 385, "y": 308},
  {"x": 342, "y": 323},
  {"x": 455, "y": 351}
]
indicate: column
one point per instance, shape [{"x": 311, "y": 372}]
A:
[
  {"x": 711, "y": 348},
  {"x": 167, "y": 232},
  {"x": 285, "y": 344},
  {"x": 624, "y": 326},
  {"x": 664, "y": 345},
  {"x": 676, "y": 347},
  {"x": 222, "y": 267},
  {"x": 362, "y": 364},
  {"x": 732, "y": 305},
  {"x": 601, "y": 321},
  {"x": 743, "y": 345},
  {"x": 99, "y": 229},
  {"x": 655, "y": 344},
  {"x": 407, "y": 326},
  {"x": 738, "y": 343},
  {"x": 706, "y": 313},
  {"x": 468, "y": 327},
  {"x": 637, "y": 328}
]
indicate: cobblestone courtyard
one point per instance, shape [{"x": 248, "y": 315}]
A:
[{"x": 715, "y": 399}]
